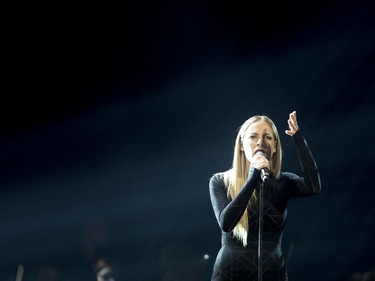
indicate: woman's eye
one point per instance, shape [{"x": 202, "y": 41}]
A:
[{"x": 268, "y": 137}]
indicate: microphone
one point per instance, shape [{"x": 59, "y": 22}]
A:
[{"x": 264, "y": 172}]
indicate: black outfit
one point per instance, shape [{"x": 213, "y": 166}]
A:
[{"x": 236, "y": 262}]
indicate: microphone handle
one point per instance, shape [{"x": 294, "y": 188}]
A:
[{"x": 264, "y": 174}]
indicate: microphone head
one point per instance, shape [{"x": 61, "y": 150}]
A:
[{"x": 266, "y": 154}]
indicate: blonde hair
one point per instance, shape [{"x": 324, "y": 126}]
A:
[{"x": 236, "y": 177}]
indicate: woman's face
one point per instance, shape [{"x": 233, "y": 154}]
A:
[{"x": 259, "y": 137}]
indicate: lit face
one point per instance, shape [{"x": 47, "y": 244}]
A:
[{"x": 259, "y": 137}]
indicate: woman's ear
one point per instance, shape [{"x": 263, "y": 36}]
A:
[
  {"x": 275, "y": 148},
  {"x": 241, "y": 146}
]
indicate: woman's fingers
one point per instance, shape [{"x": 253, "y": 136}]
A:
[
  {"x": 293, "y": 125},
  {"x": 259, "y": 162}
]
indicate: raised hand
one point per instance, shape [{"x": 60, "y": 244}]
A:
[{"x": 293, "y": 125}]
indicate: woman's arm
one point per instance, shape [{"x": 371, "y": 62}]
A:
[
  {"x": 229, "y": 212},
  {"x": 311, "y": 178},
  {"x": 310, "y": 183}
]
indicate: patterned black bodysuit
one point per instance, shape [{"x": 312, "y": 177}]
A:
[{"x": 236, "y": 262}]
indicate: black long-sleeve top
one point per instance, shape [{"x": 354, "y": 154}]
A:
[{"x": 276, "y": 194}]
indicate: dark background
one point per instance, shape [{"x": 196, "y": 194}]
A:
[{"x": 116, "y": 113}]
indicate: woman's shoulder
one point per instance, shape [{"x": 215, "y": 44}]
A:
[
  {"x": 218, "y": 176},
  {"x": 217, "y": 182}
]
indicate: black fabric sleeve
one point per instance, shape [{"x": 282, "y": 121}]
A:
[
  {"x": 229, "y": 212},
  {"x": 309, "y": 184}
]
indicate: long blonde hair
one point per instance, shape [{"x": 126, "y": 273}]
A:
[{"x": 236, "y": 177}]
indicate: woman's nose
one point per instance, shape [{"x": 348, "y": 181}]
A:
[{"x": 260, "y": 142}]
